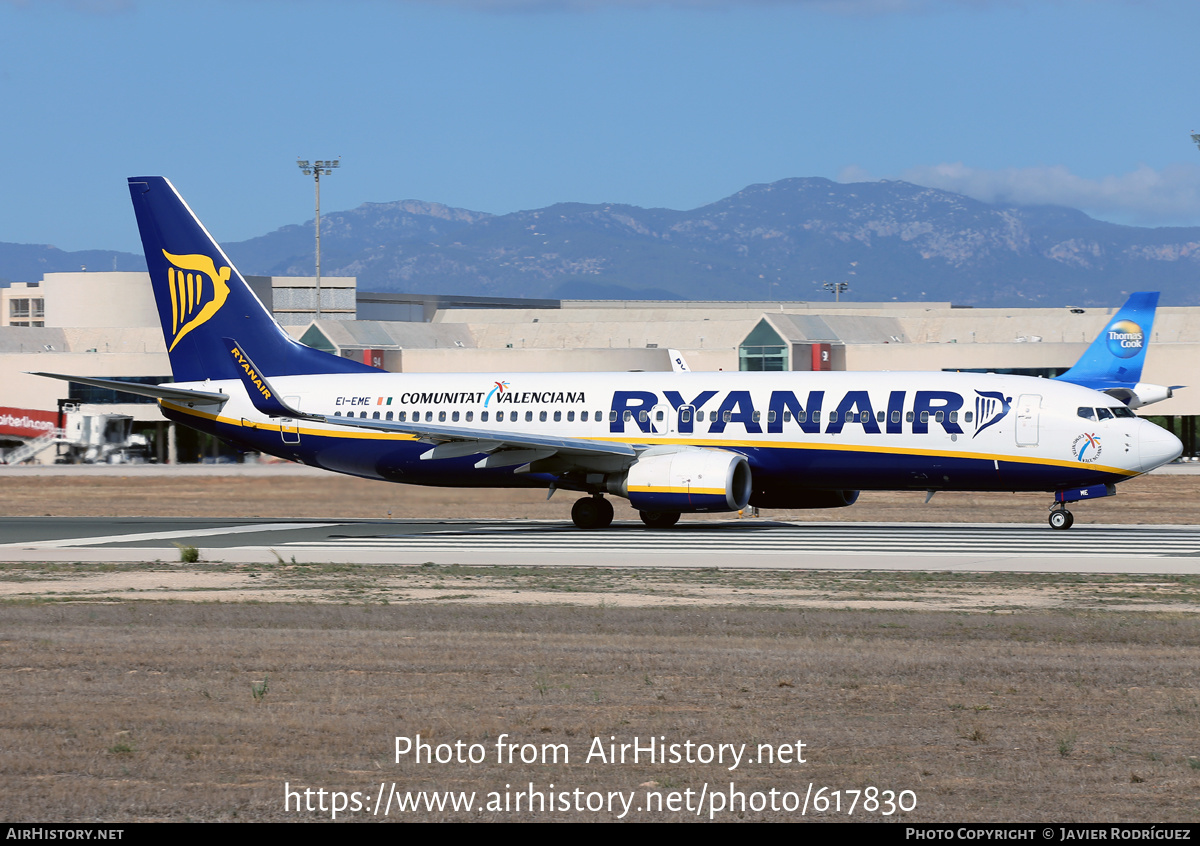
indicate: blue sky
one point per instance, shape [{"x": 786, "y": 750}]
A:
[{"x": 499, "y": 105}]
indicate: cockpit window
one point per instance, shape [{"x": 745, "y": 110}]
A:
[
  {"x": 1122, "y": 411},
  {"x": 1087, "y": 414},
  {"x": 1103, "y": 414}
]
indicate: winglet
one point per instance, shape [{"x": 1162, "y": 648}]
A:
[{"x": 264, "y": 397}]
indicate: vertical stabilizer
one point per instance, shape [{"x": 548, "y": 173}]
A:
[
  {"x": 202, "y": 298},
  {"x": 1116, "y": 357}
]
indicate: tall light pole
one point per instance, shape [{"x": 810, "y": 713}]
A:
[
  {"x": 315, "y": 170},
  {"x": 836, "y": 288}
]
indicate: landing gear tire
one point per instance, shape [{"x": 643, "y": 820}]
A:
[
  {"x": 659, "y": 519},
  {"x": 1061, "y": 519},
  {"x": 592, "y": 512}
]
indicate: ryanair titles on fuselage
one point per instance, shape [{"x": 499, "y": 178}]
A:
[{"x": 712, "y": 412}]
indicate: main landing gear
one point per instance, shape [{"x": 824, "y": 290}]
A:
[
  {"x": 592, "y": 512},
  {"x": 1060, "y": 517},
  {"x": 659, "y": 519}
]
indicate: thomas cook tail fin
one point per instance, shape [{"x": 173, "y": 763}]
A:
[
  {"x": 1113, "y": 362},
  {"x": 202, "y": 298}
]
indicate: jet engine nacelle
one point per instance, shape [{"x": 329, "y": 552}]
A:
[
  {"x": 685, "y": 480},
  {"x": 1141, "y": 394}
]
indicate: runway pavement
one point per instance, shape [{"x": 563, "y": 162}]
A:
[{"x": 724, "y": 545}]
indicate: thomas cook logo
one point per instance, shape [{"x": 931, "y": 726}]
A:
[
  {"x": 198, "y": 290},
  {"x": 500, "y": 388},
  {"x": 1086, "y": 448},
  {"x": 1125, "y": 339},
  {"x": 990, "y": 408}
]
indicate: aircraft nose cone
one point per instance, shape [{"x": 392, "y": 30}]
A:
[{"x": 1157, "y": 447}]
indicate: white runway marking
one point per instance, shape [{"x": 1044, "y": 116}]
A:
[
  {"x": 799, "y": 539},
  {"x": 61, "y": 543}
]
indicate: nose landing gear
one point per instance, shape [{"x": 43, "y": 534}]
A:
[
  {"x": 592, "y": 512},
  {"x": 1060, "y": 517}
]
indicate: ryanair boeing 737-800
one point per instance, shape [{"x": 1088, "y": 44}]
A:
[{"x": 670, "y": 443}]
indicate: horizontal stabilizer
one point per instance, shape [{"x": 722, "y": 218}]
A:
[{"x": 156, "y": 391}]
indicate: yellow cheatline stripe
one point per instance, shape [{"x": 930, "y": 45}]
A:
[
  {"x": 677, "y": 489},
  {"x": 715, "y": 444}
]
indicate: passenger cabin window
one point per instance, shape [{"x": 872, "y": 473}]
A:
[
  {"x": 770, "y": 416},
  {"x": 542, "y": 417},
  {"x": 454, "y": 417},
  {"x": 643, "y": 416},
  {"x": 787, "y": 416},
  {"x": 895, "y": 416},
  {"x": 375, "y": 415},
  {"x": 1087, "y": 414},
  {"x": 528, "y": 416},
  {"x": 728, "y": 416},
  {"x": 685, "y": 416},
  {"x": 441, "y": 417},
  {"x": 429, "y": 416},
  {"x": 757, "y": 416},
  {"x": 570, "y": 417},
  {"x": 402, "y": 416},
  {"x": 483, "y": 417},
  {"x": 968, "y": 415},
  {"x": 879, "y": 416},
  {"x": 908, "y": 418},
  {"x": 558, "y": 417},
  {"x": 471, "y": 416},
  {"x": 499, "y": 416},
  {"x": 924, "y": 416}
]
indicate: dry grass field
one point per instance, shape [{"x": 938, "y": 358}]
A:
[{"x": 990, "y": 697}]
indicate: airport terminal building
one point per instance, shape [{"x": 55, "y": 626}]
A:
[{"x": 105, "y": 324}]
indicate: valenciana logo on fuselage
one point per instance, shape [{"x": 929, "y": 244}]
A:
[
  {"x": 193, "y": 302},
  {"x": 499, "y": 389},
  {"x": 1086, "y": 448}
]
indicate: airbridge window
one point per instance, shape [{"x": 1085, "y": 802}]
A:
[{"x": 1087, "y": 413}]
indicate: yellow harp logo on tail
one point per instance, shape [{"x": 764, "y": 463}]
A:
[{"x": 198, "y": 290}]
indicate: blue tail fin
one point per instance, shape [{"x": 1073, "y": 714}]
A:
[
  {"x": 202, "y": 298},
  {"x": 1115, "y": 358}
]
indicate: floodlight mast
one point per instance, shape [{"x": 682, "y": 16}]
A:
[
  {"x": 315, "y": 170},
  {"x": 836, "y": 288}
]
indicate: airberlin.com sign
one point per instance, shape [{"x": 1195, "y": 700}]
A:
[{"x": 26, "y": 422}]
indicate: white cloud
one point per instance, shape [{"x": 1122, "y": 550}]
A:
[{"x": 1145, "y": 196}]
